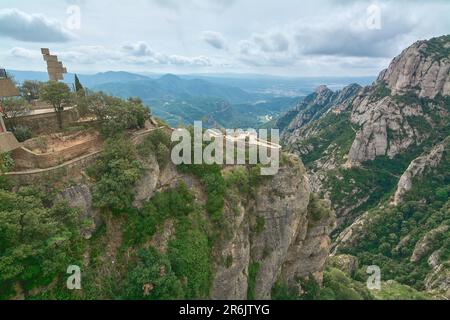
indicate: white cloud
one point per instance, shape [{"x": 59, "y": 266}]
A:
[
  {"x": 214, "y": 39},
  {"x": 26, "y": 27},
  {"x": 209, "y": 5},
  {"x": 138, "y": 53},
  {"x": 23, "y": 53}
]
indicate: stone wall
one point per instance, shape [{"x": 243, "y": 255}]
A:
[
  {"x": 25, "y": 159},
  {"x": 62, "y": 172},
  {"x": 44, "y": 123}
]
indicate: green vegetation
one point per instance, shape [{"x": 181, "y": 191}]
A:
[
  {"x": 57, "y": 94},
  {"x": 318, "y": 209},
  {"x": 29, "y": 90},
  {"x": 6, "y": 162},
  {"x": 38, "y": 240},
  {"x": 380, "y": 91},
  {"x": 335, "y": 132},
  {"x": 393, "y": 232},
  {"x": 253, "y": 270},
  {"x": 392, "y": 290},
  {"x": 156, "y": 142},
  {"x": 189, "y": 252},
  {"x": 14, "y": 108},
  {"x": 115, "y": 174},
  {"x": 215, "y": 187},
  {"x": 152, "y": 279},
  {"x": 437, "y": 48},
  {"x": 336, "y": 286}
]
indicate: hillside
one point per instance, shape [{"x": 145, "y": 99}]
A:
[{"x": 380, "y": 154}]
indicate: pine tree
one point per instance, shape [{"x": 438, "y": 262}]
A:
[{"x": 78, "y": 85}]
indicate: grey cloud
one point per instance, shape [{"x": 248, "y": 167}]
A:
[
  {"x": 345, "y": 39},
  {"x": 139, "y": 49},
  {"x": 214, "y": 39},
  {"x": 210, "y": 5},
  {"x": 271, "y": 43},
  {"x": 26, "y": 27}
]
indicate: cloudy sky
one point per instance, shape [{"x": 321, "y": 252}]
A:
[{"x": 279, "y": 37}]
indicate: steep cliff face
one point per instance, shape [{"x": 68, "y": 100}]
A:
[
  {"x": 288, "y": 244},
  {"x": 423, "y": 68},
  {"x": 417, "y": 168},
  {"x": 407, "y": 99}
]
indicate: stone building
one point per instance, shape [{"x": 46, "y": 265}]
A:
[{"x": 7, "y": 89}]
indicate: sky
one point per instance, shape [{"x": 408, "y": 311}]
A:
[{"x": 283, "y": 37}]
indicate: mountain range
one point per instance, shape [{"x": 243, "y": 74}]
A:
[{"x": 381, "y": 155}]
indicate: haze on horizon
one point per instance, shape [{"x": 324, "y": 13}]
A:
[{"x": 284, "y": 37}]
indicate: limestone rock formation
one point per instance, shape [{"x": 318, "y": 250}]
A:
[
  {"x": 290, "y": 246},
  {"x": 424, "y": 68},
  {"x": 424, "y": 246},
  {"x": 416, "y": 170}
]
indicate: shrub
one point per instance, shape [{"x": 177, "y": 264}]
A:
[
  {"x": 153, "y": 279},
  {"x": 22, "y": 133},
  {"x": 116, "y": 173}
]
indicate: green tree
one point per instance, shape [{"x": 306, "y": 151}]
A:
[
  {"x": 37, "y": 242},
  {"x": 29, "y": 90},
  {"x": 14, "y": 108},
  {"x": 116, "y": 173},
  {"x": 153, "y": 279},
  {"x": 58, "y": 95}
]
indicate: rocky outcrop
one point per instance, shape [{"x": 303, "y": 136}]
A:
[
  {"x": 79, "y": 196},
  {"x": 309, "y": 253},
  {"x": 289, "y": 246},
  {"x": 344, "y": 262},
  {"x": 389, "y": 112},
  {"x": 438, "y": 281},
  {"x": 314, "y": 106},
  {"x": 417, "y": 168},
  {"x": 423, "y": 68},
  {"x": 385, "y": 129},
  {"x": 231, "y": 281},
  {"x": 424, "y": 246}
]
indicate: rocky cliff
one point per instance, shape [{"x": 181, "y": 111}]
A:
[
  {"x": 293, "y": 244},
  {"x": 282, "y": 229}
]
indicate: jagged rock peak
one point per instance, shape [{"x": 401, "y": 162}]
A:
[
  {"x": 322, "y": 89},
  {"x": 423, "y": 68}
]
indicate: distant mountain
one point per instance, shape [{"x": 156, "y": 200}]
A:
[
  {"x": 216, "y": 112},
  {"x": 86, "y": 80},
  {"x": 170, "y": 87}
]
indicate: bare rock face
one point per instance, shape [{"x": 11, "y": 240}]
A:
[
  {"x": 417, "y": 168},
  {"x": 310, "y": 251},
  {"x": 424, "y": 67},
  {"x": 80, "y": 196},
  {"x": 423, "y": 247},
  {"x": 282, "y": 203},
  {"x": 385, "y": 110},
  {"x": 344, "y": 262},
  {"x": 231, "y": 281},
  {"x": 289, "y": 247},
  {"x": 352, "y": 234},
  {"x": 385, "y": 129},
  {"x": 438, "y": 281}
]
